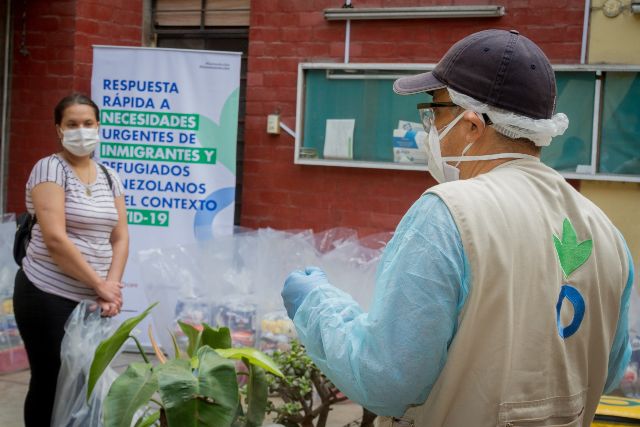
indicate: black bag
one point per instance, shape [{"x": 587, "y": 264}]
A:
[
  {"x": 24, "y": 224},
  {"x": 26, "y": 221}
]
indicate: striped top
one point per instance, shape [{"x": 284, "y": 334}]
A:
[{"x": 89, "y": 220}]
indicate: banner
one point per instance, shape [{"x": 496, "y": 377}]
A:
[{"x": 168, "y": 127}]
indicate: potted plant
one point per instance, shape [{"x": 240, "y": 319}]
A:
[
  {"x": 198, "y": 387},
  {"x": 295, "y": 388}
]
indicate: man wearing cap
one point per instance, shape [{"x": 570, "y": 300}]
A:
[{"x": 502, "y": 298}]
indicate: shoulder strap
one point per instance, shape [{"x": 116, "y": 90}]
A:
[{"x": 106, "y": 172}]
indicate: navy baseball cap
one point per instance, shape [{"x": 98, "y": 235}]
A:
[{"x": 501, "y": 68}]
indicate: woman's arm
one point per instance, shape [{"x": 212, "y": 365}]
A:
[
  {"x": 48, "y": 201},
  {"x": 119, "y": 242}
]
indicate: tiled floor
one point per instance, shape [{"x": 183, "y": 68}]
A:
[{"x": 13, "y": 388}]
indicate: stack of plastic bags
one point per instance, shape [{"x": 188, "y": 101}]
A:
[
  {"x": 12, "y": 354},
  {"x": 235, "y": 280},
  {"x": 630, "y": 384}
]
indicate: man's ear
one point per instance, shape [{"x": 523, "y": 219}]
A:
[{"x": 476, "y": 126}]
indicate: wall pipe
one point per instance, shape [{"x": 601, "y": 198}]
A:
[
  {"x": 4, "y": 133},
  {"x": 347, "y": 40},
  {"x": 347, "y": 35}
]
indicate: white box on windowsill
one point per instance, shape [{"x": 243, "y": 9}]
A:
[{"x": 406, "y": 148}]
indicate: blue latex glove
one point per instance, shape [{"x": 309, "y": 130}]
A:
[{"x": 298, "y": 285}]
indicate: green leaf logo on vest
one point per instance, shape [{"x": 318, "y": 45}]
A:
[{"x": 571, "y": 255}]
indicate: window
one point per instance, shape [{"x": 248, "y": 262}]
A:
[
  {"x": 602, "y": 141},
  {"x": 620, "y": 146},
  {"x": 202, "y": 13}
]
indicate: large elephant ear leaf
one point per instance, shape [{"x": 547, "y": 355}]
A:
[
  {"x": 253, "y": 356},
  {"x": 257, "y": 396},
  {"x": 193, "y": 335},
  {"x": 216, "y": 338},
  {"x": 148, "y": 421},
  {"x": 218, "y": 379},
  {"x": 107, "y": 349},
  {"x": 211, "y": 393},
  {"x": 128, "y": 393}
]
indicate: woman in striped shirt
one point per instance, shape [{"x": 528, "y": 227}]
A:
[{"x": 78, "y": 249}]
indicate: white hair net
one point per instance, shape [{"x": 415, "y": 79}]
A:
[{"x": 513, "y": 125}]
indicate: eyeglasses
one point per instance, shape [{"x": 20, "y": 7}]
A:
[
  {"x": 424, "y": 105},
  {"x": 427, "y": 115}
]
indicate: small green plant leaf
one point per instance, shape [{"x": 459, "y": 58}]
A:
[
  {"x": 571, "y": 253},
  {"x": 193, "y": 335},
  {"x": 176, "y": 348},
  {"x": 107, "y": 349},
  {"x": 238, "y": 419},
  {"x": 216, "y": 338},
  {"x": 208, "y": 398},
  {"x": 148, "y": 421},
  {"x": 156, "y": 347},
  {"x": 255, "y": 357},
  {"x": 257, "y": 395},
  {"x": 194, "y": 362},
  {"x": 128, "y": 393}
]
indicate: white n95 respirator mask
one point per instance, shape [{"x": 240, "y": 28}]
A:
[
  {"x": 438, "y": 166},
  {"x": 80, "y": 142},
  {"x": 430, "y": 143}
]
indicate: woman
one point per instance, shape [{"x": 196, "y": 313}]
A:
[{"x": 78, "y": 249}]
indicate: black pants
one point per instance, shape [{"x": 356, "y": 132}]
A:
[{"x": 41, "y": 317}]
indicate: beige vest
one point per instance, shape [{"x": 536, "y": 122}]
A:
[{"x": 508, "y": 365}]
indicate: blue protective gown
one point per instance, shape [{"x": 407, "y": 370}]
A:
[{"x": 390, "y": 358}]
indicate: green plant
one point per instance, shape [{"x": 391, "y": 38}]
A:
[
  {"x": 198, "y": 387},
  {"x": 301, "y": 377}
]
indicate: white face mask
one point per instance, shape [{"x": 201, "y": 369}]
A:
[
  {"x": 80, "y": 142},
  {"x": 438, "y": 166}
]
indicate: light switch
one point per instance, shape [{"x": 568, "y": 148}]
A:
[{"x": 273, "y": 124}]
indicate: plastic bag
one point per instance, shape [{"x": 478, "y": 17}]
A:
[
  {"x": 84, "y": 330},
  {"x": 630, "y": 384},
  {"x": 235, "y": 280},
  {"x": 13, "y": 356}
]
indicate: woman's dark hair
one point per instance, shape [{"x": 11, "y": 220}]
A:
[{"x": 73, "y": 99}]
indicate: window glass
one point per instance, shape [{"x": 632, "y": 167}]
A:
[
  {"x": 576, "y": 91},
  {"x": 620, "y": 147},
  {"x": 371, "y": 102}
]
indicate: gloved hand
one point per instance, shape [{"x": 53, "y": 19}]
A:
[{"x": 298, "y": 285}]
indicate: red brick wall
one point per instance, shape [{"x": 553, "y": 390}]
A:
[
  {"x": 59, "y": 39},
  {"x": 276, "y": 193},
  {"x": 279, "y": 194}
]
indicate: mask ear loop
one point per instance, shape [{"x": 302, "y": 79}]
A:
[
  {"x": 484, "y": 123},
  {"x": 450, "y": 126}
]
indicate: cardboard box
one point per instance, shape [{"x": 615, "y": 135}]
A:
[{"x": 406, "y": 149}]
